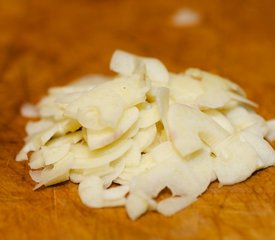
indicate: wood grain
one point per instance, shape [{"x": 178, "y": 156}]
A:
[{"x": 46, "y": 43}]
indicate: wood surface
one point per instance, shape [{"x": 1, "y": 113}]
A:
[{"x": 51, "y": 42}]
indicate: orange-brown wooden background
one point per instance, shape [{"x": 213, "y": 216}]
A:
[{"x": 51, "y": 42}]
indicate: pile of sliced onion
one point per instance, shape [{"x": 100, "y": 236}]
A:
[{"x": 146, "y": 130}]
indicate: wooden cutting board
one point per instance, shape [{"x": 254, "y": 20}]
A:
[{"x": 47, "y": 43}]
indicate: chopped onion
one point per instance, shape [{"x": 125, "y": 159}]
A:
[{"x": 145, "y": 130}]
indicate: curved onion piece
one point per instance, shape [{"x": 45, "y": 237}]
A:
[
  {"x": 235, "y": 160},
  {"x": 172, "y": 205},
  {"x": 54, "y": 151},
  {"x": 145, "y": 137},
  {"x": 54, "y": 154},
  {"x": 35, "y": 175},
  {"x": 263, "y": 149},
  {"x": 78, "y": 175},
  {"x": 218, "y": 92},
  {"x": 57, "y": 173},
  {"x": 148, "y": 115},
  {"x": 36, "y": 127},
  {"x": 156, "y": 71},
  {"x": 138, "y": 204},
  {"x": 243, "y": 100},
  {"x": 99, "y": 138},
  {"x": 220, "y": 119},
  {"x": 93, "y": 194},
  {"x": 146, "y": 162},
  {"x": 190, "y": 129},
  {"x": 241, "y": 119},
  {"x": 198, "y": 168},
  {"x": 213, "y": 99},
  {"x": 101, "y": 107},
  {"x": 36, "y": 160},
  {"x": 184, "y": 89},
  {"x": 133, "y": 156},
  {"x": 117, "y": 168},
  {"x": 127, "y": 64},
  {"x": 36, "y": 140},
  {"x": 124, "y": 63},
  {"x": 214, "y": 80},
  {"x": 69, "y": 138},
  {"x": 84, "y": 158},
  {"x": 132, "y": 89}
]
